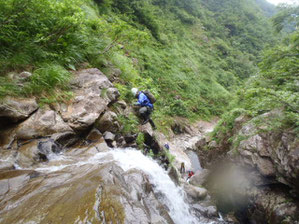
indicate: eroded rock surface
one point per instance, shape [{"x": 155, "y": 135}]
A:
[
  {"x": 92, "y": 93},
  {"x": 275, "y": 154},
  {"x": 44, "y": 122}
]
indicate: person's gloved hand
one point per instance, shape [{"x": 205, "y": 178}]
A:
[{"x": 136, "y": 104}]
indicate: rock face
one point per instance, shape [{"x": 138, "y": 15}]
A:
[
  {"x": 92, "y": 93},
  {"x": 274, "y": 154},
  {"x": 195, "y": 193},
  {"x": 269, "y": 160},
  {"x": 200, "y": 177},
  {"x": 44, "y": 122},
  {"x": 14, "y": 110}
]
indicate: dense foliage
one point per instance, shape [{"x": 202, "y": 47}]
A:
[
  {"x": 274, "y": 89},
  {"x": 192, "y": 55}
]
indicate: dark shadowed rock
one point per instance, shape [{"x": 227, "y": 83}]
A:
[
  {"x": 274, "y": 207},
  {"x": 65, "y": 139},
  {"x": 129, "y": 138},
  {"x": 16, "y": 109},
  {"x": 94, "y": 135}
]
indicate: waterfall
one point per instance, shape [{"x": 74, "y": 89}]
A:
[{"x": 173, "y": 195}]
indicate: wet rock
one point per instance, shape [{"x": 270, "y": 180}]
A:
[
  {"x": 209, "y": 212},
  {"x": 28, "y": 154},
  {"x": 90, "y": 87},
  {"x": 94, "y": 135},
  {"x": 195, "y": 193},
  {"x": 12, "y": 181},
  {"x": 44, "y": 122},
  {"x": 174, "y": 175},
  {"x": 16, "y": 109},
  {"x": 87, "y": 150},
  {"x": 200, "y": 177},
  {"x": 65, "y": 139},
  {"x": 36, "y": 151},
  {"x": 47, "y": 147},
  {"x": 7, "y": 159},
  {"x": 108, "y": 122},
  {"x": 90, "y": 193}
]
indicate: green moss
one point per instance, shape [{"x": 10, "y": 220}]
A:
[
  {"x": 140, "y": 141},
  {"x": 113, "y": 210}
]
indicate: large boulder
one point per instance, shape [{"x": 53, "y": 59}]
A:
[
  {"x": 195, "y": 193},
  {"x": 92, "y": 93},
  {"x": 108, "y": 122},
  {"x": 200, "y": 177},
  {"x": 44, "y": 122},
  {"x": 16, "y": 109}
]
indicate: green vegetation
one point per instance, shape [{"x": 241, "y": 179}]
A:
[
  {"x": 192, "y": 55},
  {"x": 274, "y": 89},
  {"x": 140, "y": 140},
  {"x": 128, "y": 123}
]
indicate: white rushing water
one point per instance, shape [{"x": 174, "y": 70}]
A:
[{"x": 172, "y": 195}]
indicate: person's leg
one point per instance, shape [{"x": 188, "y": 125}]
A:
[
  {"x": 150, "y": 110},
  {"x": 152, "y": 123},
  {"x": 143, "y": 111}
]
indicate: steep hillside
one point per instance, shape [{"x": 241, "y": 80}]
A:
[
  {"x": 191, "y": 54},
  {"x": 268, "y": 8}
]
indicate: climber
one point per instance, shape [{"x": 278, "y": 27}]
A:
[
  {"x": 146, "y": 106},
  {"x": 166, "y": 146},
  {"x": 190, "y": 174}
]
